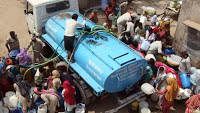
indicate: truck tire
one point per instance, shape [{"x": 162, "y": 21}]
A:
[{"x": 85, "y": 99}]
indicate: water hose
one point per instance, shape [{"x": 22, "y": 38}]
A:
[
  {"x": 51, "y": 55},
  {"x": 115, "y": 20},
  {"x": 43, "y": 63},
  {"x": 84, "y": 32},
  {"x": 74, "y": 51}
]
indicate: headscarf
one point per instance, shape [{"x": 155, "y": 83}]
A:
[
  {"x": 45, "y": 92},
  {"x": 154, "y": 19},
  {"x": 69, "y": 93},
  {"x": 23, "y": 57},
  {"x": 155, "y": 30},
  {"x": 172, "y": 89},
  {"x": 193, "y": 102},
  {"x": 193, "y": 70},
  {"x": 24, "y": 87},
  {"x": 50, "y": 82},
  {"x": 55, "y": 74},
  {"x": 169, "y": 70}
]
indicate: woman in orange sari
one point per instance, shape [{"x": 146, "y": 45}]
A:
[{"x": 170, "y": 94}]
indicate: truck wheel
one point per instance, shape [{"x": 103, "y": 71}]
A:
[{"x": 85, "y": 99}]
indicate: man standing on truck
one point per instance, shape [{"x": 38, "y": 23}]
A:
[
  {"x": 69, "y": 36},
  {"x": 12, "y": 41},
  {"x": 37, "y": 45}
]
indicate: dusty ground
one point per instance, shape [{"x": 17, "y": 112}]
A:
[{"x": 13, "y": 18}]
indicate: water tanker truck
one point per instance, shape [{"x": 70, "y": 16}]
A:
[{"x": 103, "y": 64}]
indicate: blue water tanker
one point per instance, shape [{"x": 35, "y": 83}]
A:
[{"x": 102, "y": 62}]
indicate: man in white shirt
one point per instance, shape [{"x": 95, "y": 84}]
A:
[
  {"x": 70, "y": 30},
  {"x": 121, "y": 21},
  {"x": 184, "y": 65},
  {"x": 37, "y": 45},
  {"x": 130, "y": 28},
  {"x": 143, "y": 20},
  {"x": 12, "y": 43},
  {"x": 124, "y": 6},
  {"x": 156, "y": 48}
]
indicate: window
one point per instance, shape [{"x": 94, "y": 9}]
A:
[{"x": 57, "y": 6}]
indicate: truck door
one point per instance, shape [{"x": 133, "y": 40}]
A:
[{"x": 30, "y": 17}]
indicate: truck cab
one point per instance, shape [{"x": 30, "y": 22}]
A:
[{"x": 39, "y": 11}]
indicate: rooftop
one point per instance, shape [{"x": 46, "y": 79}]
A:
[{"x": 42, "y": 2}]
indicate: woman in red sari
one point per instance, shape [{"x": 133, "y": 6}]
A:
[
  {"x": 109, "y": 10},
  {"x": 68, "y": 94}
]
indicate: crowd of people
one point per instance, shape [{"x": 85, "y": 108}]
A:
[
  {"x": 53, "y": 74},
  {"x": 145, "y": 33}
]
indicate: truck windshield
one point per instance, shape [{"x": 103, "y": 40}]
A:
[
  {"x": 57, "y": 6},
  {"x": 29, "y": 8}
]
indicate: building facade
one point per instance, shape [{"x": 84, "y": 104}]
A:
[{"x": 187, "y": 37}]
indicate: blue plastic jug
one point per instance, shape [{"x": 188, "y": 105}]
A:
[
  {"x": 169, "y": 51},
  {"x": 185, "y": 80},
  {"x": 61, "y": 101},
  {"x": 17, "y": 111},
  {"x": 38, "y": 102}
]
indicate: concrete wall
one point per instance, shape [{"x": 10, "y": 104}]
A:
[
  {"x": 85, "y": 4},
  {"x": 187, "y": 38}
]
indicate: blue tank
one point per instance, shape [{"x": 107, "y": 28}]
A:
[
  {"x": 185, "y": 80},
  {"x": 169, "y": 51},
  {"x": 103, "y": 62}
]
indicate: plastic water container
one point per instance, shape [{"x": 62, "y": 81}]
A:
[
  {"x": 180, "y": 94},
  {"x": 1, "y": 109},
  {"x": 13, "y": 54},
  {"x": 13, "y": 101},
  {"x": 169, "y": 51},
  {"x": 103, "y": 4},
  {"x": 6, "y": 101},
  {"x": 17, "y": 111},
  {"x": 147, "y": 88},
  {"x": 135, "y": 105},
  {"x": 61, "y": 101},
  {"x": 42, "y": 110},
  {"x": 174, "y": 60},
  {"x": 154, "y": 97},
  {"x": 185, "y": 80},
  {"x": 145, "y": 110},
  {"x": 143, "y": 104},
  {"x": 32, "y": 111},
  {"x": 1, "y": 104},
  {"x": 116, "y": 10},
  {"x": 5, "y": 110},
  {"x": 9, "y": 94},
  {"x": 170, "y": 75},
  {"x": 187, "y": 93},
  {"x": 38, "y": 102},
  {"x": 80, "y": 108},
  {"x": 145, "y": 45}
]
